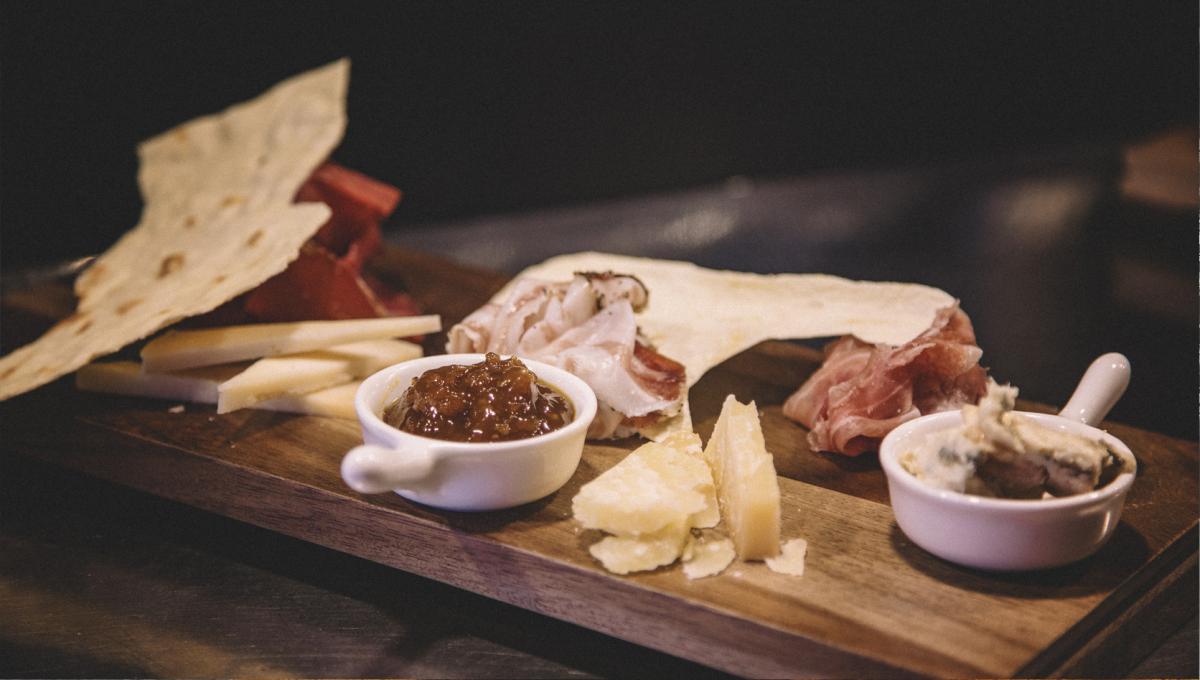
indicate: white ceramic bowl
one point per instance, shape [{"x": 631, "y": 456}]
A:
[
  {"x": 463, "y": 475},
  {"x": 1006, "y": 534}
]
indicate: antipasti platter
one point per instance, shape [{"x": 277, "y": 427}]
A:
[
  {"x": 750, "y": 522},
  {"x": 869, "y": 603}
]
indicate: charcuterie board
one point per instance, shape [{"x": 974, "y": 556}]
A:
[{"x": 869, "y": 604}]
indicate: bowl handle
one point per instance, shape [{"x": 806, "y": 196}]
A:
[
  {"x": 1099, "y": 389},
  {"x": 376, "y": 469}
]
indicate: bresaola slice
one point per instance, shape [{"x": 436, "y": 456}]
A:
[
  {"x": 326, "y": 280},
  {"x": 585, "y": 326},
  {"x": 864, "y": 391}
]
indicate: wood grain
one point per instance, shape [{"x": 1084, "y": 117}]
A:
[
  {"x": 101, "y": 581},
  {"x": 870, "y": 603}
]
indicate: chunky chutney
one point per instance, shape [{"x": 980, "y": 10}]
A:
[{"x": 491, "y": 401}]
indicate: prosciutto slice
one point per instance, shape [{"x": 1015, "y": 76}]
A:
[
  {"x": 864, "y": 391},
  {"x": 586, "y": 326}
]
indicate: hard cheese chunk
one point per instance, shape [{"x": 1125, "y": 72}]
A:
[
  {"x": 297, "y": 374},
  {"x": 689, "y": 443},
  {"x": 659, "y": 484},
  {"x": 200, "y": 385},
  {"x": 624, "y": 554},
  {"x": 205, "y": 347},
  {"x": 650, "y": 501},
  {"x": 745, "y": 477}
]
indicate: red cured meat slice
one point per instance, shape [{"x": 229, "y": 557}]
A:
[
  {"x": 317, "y": 285},
  {"x": 359, "y": 203},
  {"x": 864, "y": 391},
  {"x": 326, "y": 280},
  {"x": 348, "y": 191}
]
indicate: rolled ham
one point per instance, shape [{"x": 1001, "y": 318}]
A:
[
  {"x": 586, "y": 326},
  {"x": 864, "y": 391}
]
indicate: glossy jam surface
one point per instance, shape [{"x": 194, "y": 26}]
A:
[{"x": 494, "y": 400}]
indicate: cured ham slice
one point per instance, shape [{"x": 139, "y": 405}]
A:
[
  {"x": 586, "y": 326},
  {"x": 864, "y": 391}
]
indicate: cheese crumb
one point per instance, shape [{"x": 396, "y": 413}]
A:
[
  {"x": 707, "y": 558},
  {"x": 790, "y": 559}
]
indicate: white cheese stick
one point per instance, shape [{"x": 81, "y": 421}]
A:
[
  {"x": 335, "y": 402},
  {"x": 296, "y": 374},
  {"x": 208, "y": 346},
  {"x": 200, "y": 385}
]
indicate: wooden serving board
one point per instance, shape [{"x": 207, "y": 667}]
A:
[{"x": 870, "y": 602}]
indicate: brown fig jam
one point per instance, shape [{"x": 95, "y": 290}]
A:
[{"x": 492, "y": 401}]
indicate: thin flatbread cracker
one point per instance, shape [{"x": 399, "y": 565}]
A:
[
  {"x": 218, "y": 220},
  {"x": 701, "y": 317}
]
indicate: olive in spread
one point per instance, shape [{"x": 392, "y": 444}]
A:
[{"x": 494, "y": 400}]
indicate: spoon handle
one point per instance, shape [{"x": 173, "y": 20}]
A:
[{"x": 1098, "y": 391}]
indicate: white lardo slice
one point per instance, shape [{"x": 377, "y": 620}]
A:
[
  {"x": 707, "y": 558},
  {"x": 655, "y": 486},
  {"x": 295, "y": 374},
  {"x": 791, "y": 559},
  {"x": 624, "y": 554},
  {"x": 746, "y": 484},
  {"x": 204, "y": 347},
  {"x": 200, "y": 385}
]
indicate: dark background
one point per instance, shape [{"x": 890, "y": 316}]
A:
[
  {"x": 473, "y": 108},
  {"x": 978, "y": 147}
]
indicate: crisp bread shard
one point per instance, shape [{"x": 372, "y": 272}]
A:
[
  {"x": 701, "y": 317},
  {"x": 218, "y": 220}
]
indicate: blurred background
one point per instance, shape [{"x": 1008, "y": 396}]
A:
[{"x": 1037, "y": 160}]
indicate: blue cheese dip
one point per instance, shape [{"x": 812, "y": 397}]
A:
[{"x": 997, "y": 452}]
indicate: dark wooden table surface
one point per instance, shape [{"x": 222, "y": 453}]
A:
[{"x": 1053, "y": 264}]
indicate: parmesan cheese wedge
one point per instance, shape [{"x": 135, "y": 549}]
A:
[
  {"x": 688, "y": 470},
  {"x": 175, "y": 350},
  {"x": 746, "y": 483},
  {"x": 296, "y": 374},
  {"x": 201, "y": 385},
  {"x": 657, "y": 485},
  {"x": 650, "y": 501}
]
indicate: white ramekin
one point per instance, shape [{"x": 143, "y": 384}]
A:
[
  {"x": 1006, "y": 534},
  {"x": 463, "y": 475}
]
